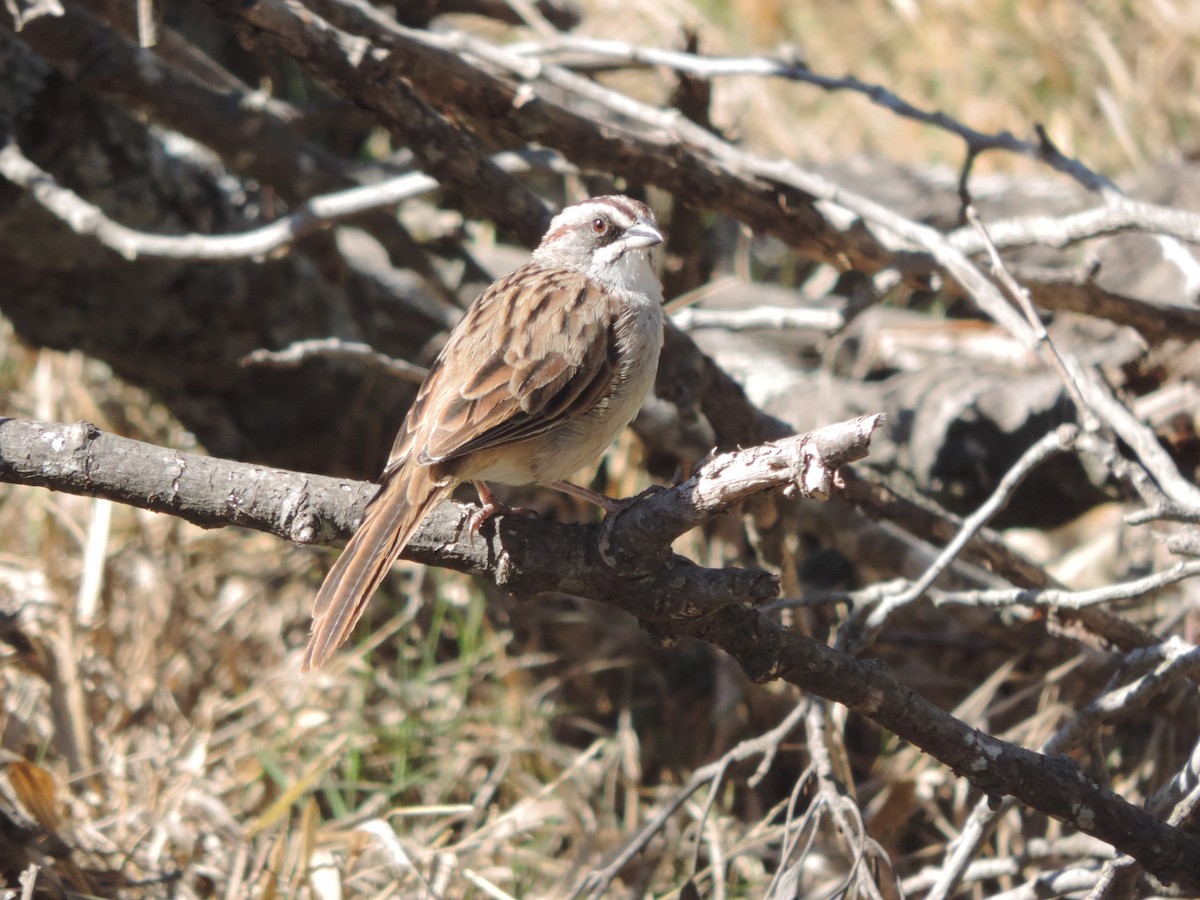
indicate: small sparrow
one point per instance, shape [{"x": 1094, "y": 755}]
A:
[{"x": 544, "y": 370}]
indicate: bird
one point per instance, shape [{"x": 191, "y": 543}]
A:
[{"x": 544, "y": 370}]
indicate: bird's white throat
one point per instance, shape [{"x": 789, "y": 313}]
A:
[{"x": 631, "y": 271}]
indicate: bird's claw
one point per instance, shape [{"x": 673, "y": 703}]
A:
[{"x": 492, "y": 509}]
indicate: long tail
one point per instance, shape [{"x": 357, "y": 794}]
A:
[{"x": 391, "y": 519}]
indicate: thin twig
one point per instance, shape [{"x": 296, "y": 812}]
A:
[
  {"x": 1051, "y": 444},
  {"x": 88, "y": 219},
  {"x": 1057, "y": 598},
  {"x": 318, "y": 212},
  {"x": 28, "y": 879},
  {"x": 1121, "y": 216},
  {"x": 1182, "y": 796},
  {"x": 768, "y": 318},
  {"x": 700, "y": 66},
  {"x": 595, "y": 883},
  {"x": 1176, "y": 660},
  {"x": 147, "y": 24},
  {"x": 1140, "y": 438},
  {"x": 298, "y": 352},
  {"x": 1045, "y": 346},
  {"x": 1173, "y": 660}
]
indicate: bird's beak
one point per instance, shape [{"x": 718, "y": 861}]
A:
[{"x": 642, "y": 234}]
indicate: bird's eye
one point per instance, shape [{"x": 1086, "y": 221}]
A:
[{"x": 599, "y": 225}]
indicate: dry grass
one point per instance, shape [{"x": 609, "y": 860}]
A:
[
  {"x": 477, "y": 746},
  {"x": 1117, "y": 84},
  {"x": 466, "y": 741}
]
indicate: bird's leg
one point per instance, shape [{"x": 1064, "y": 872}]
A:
[
  {"x": 612, "y": 507},
  {"x": 489, "y": 506}
]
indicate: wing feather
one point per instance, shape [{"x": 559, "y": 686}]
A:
[{"x": 507, "y": 375}]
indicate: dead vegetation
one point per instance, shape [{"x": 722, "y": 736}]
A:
[{"x": 157, "y": 738}]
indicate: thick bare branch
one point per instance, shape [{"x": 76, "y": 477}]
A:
[
  {"x": 509, "y": 100},
  {"x": 363, "y": 72},
  {"x": 1075, "y": 290},
  {"x": 677, "y": 595},
  {"x": 181, "y": 88}
]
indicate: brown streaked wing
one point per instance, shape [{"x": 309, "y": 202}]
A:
[
  {"x": 471, "y": 331},
  {"x": 509, "y": 374}
]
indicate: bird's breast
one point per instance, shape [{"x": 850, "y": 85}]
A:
[{"x": 578, "y": 441}]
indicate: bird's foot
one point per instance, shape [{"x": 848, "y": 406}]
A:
[{"x": 489, "y": 507}]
